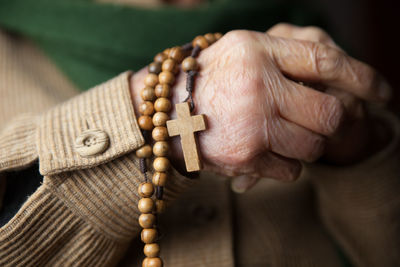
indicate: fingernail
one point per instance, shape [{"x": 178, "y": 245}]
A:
[
  {"x": 384, "y": 90},
  {"x": 240, "y": 184}
]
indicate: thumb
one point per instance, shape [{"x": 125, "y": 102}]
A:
[{"x": 241, "y": 184}]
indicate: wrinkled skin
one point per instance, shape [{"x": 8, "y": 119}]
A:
[{"x": 260, "y": 122}]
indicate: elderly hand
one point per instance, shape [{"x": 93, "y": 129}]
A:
[{"x": 260, "y": 122}]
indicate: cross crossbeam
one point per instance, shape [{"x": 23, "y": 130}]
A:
[{"x": 185, "y": 126}]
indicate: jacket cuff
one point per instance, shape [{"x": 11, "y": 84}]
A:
[
  {"x": 86, "y": 153},
  {"x": 90, "y": 129},
  {"x": 106, "y": 196}
]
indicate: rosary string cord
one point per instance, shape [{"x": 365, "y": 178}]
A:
[
  {"x": 189, "y": 88},
  {"x": 190, "y": 77},
  {"x": 195, "y": 52},
  {"x": 153, "y": 130},
  {"x": 187, "y": 47},
  {"x": 143, "y": 168}
]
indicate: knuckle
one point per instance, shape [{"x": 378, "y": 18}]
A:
[
  {"x": 368, "y": 78},
  {"x": 280, "y": 27},
  {"x": 283, "y": 25},
  {"x": 292, "y": 171},
  {"x": 237, "y": 36},
  {"x": 332, "y": 115},
  {"x": 316, "y": 148},
  {"x": 315, "y": 33},
  {"x": 327, "y": 61},
  {"x": 241, "y": 157}
]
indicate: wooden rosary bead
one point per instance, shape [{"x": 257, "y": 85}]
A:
[
  {"x": 218, "y": 35},
  {"x": 151, "y": 250},
  {"x": 189, "y": 64},
  {"x": 162, "y": 90},
  {"x": 151, "y": 80},
  {"x": 166, "y": 77},
  {"x": 144, "y": 152},
  {"x": 146, "y": 205},
  {"x": 145, "y": 122},
  {"x": 152, "y": 262},
  {"x": 200, "y": 41},
  {"x": 146, "y": 108},
  {"x": 160, "y": 118},
  {"x": 161, "y": 164},
  {"x": 160, "y": 149},
  {"x": 159, "y": 178},
  {"x": 155, "y": 67},
  {"x": 176, "y": 54},
  {"x": 161, "y": 76},
  {"x": 162, "y": 104},
  {"x": 166, "y": 51},
  {"x": 160, "y": 57},
  {"x": 168, "y": 65},
  {"x": 146, "y": 189},
  {"x": 149, "y": 235},
  {"x": 160, "y": 205},
  {"x": 147, "y": 220},
  {"x": 148, "y": 94},
  {"x": 160, "y": 133},
  {"x": 210, "y": 38}
]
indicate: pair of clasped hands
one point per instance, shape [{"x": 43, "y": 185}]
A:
[{"x": 276, "y": 99}]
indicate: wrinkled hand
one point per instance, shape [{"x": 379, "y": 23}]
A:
[
  {"x": 260, "y": 122},
  {"x": 359, "y": 136}
]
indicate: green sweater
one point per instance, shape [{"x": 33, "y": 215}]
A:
[{"x": 92, "y": 42}]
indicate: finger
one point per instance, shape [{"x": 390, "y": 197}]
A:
[
  {"x": 293, "y": 141},
  {"x": 321, "y": 113},
  {"x": 283, "y": 29},
  {"x": 274, "y": 166},
  {"x": 265, "y": 164},
  {"x": 316, "y": 62},
  {"x": 310, "y": 33},
  {"x": 354, "y": 106},
  {"x": 241, "y": 184},
  {"x": 268, "y": 165}
]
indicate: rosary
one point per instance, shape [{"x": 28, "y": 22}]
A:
[{"x": 154, "y": 117}]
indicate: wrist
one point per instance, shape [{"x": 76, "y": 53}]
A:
[{"x": 177, "y": 95}]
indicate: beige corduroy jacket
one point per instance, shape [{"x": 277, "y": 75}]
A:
[{"x": 84, "y": 213}]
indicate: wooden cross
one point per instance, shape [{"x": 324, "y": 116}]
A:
[{"x": 186, "y": 126}]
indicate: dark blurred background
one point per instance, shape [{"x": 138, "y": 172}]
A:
[{"x": 368, "y": 30}]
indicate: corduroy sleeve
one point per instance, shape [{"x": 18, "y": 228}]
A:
[
  {"x": 360, "y": 204},
  {"x": 85, "y": 212}
]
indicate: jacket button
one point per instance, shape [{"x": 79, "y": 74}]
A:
[{"x": 91, "y": 143}]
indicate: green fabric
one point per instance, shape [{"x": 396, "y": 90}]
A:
[{"x": 93, "y": 42}]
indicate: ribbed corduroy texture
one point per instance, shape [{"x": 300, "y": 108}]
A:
[
  {"x": 200, "y": 222},
  {"x": 295, "y": 236},
  {"x": 106, "y": 196},
  {"x": 362, "y": 209},
  {"x": 84, "y": 217},
  {"x": 28, "y": 80},
  {"x": 17, "y": 143},
  {"x": 84, "y": 213},
  {"x": 46, "y": 232},
  {"x": 107, "y": 107}
]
